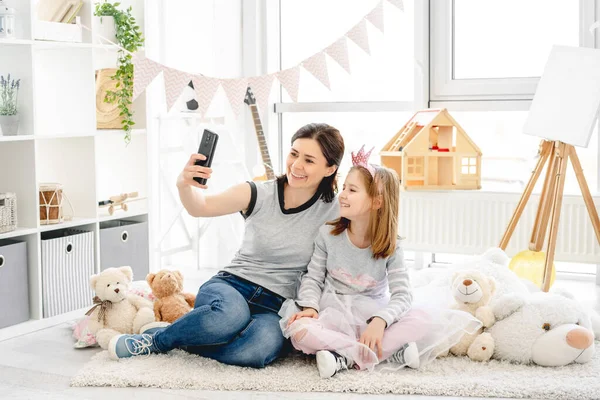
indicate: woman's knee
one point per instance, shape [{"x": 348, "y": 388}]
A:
[{"x": 226, "y": 303}]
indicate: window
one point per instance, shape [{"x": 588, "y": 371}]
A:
[
  {"x": 496, "y": 49},
  {"x": 309, "y": 26},
  {"x": 469, "y": 166},
  {"x": 415, "y": 166}
]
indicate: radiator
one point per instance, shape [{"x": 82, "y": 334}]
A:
[{"x": 468, "y": 222}]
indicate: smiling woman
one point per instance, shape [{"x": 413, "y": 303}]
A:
[{"x": 235, "y": 319}]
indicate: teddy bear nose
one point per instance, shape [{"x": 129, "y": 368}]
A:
[
  {"x": 579, "y": 338},
  {"x": 117, "y": 290},
  {"x": 467, "y": 282}
]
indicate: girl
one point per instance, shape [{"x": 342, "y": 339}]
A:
[
  {"x": 235, "y": 318},
  {"x": 347, "y": 319}
]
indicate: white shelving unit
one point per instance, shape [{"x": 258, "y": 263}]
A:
[{"x": 58, "y": 142}]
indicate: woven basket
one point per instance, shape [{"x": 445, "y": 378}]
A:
[{"x": 8, "y": 212}]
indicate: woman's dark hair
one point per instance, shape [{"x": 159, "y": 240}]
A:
[{"x": 332, "y": 146}]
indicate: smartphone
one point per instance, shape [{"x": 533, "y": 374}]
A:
[{"x": 208, "y": 145}]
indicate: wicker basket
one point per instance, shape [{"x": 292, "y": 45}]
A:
[{"x": 8, "y": 212}]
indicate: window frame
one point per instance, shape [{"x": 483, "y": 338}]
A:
[{"x": 443, "y": 86}]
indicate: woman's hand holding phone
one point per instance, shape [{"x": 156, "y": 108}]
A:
[{"x": 191, "y": 171}]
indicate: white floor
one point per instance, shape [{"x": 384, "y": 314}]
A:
[{"x": 40, "y": 365}]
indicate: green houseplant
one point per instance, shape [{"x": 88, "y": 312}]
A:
[
  {"x": 130, "y": 38},
  {"x": 9, "y": 100}
]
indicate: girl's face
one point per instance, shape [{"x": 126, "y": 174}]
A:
[
  {"x": 354, "y": 198},
  {"x": 306, "y": 165}
]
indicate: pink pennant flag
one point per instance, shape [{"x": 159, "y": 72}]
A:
[
  {"x": 175, "y": 81},
  {"x": 398, "y": 3},
  {"x": 376, "y": 16},
  {"x": 317, "y": 65},
  {"x": 339, "y": 52},
  {"x": 261, "y": 87},
  {"x": 235, "y": 89},
  {"x": 144, "y": 72},
  {"x": 205, "y": 89},
  {"x": 290, "y": 80},
  {"x": 359, "y": 35}
]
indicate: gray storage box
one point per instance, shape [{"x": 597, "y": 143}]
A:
[
  {"x": 67, "y": 264},
  {"x": 14, "y": 286},
  {"x": 125, "y": 243}
]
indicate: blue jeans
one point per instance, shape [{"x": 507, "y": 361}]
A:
[{"x": 233, "y": 321}]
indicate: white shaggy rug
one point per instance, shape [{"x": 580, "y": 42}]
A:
[{"x": 444, "y": 377}]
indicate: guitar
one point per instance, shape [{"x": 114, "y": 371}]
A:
[{"x": 262, "y": 143}]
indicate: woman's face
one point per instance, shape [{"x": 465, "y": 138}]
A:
[{"x": 306, "y": 165}]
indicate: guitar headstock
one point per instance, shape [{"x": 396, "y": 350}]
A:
[{"x": 249, "y": 98}]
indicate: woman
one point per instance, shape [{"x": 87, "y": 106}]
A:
[{"x": 235, "y": 318}]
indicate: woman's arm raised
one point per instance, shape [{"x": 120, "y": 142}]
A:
[{"x": 232, "y": 200}]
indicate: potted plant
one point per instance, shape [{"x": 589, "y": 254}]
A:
[
  {"x": 129, "y": 37},
  {"x": 9, "y": 100}
]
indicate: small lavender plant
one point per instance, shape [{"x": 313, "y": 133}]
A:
[{"x": 9, "y": 94}]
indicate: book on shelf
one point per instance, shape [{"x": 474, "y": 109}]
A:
[{"x": 58, "y": 10}]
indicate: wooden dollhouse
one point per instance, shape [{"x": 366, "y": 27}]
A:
[{"x": 433, "y": 152}]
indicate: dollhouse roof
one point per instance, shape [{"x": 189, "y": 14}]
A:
[{"x": 427, "y": 118}]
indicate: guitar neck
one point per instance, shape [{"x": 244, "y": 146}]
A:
[{"x": 262, "y": 142}]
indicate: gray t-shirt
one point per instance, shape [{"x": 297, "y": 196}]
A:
[{"x": 278, "y": 243}]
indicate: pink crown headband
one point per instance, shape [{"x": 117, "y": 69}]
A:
[{"x": 361, "y": 159}]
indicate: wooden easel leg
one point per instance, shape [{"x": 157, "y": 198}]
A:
[
  {"x": 545, "y": 148},
  {"x": 585, "y": 191},
  {"x": 540, "y": 225},
  {"x": 562, "y": 158}
]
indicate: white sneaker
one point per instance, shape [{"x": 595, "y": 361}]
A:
[
  {"x": 407, "y": 355},
  {"x": 329, "y": 363}
]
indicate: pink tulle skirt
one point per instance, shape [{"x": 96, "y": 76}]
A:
[{"x": 343, "y": 319}]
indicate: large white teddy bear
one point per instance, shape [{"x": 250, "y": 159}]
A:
[
  {"x": 547, "y": 329},
  {"x": 116, "y": 311}
]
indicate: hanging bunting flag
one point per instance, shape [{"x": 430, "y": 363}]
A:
[
  {"x": 235, "y": 89},
  {"x": 205, "y": 89},
  {"x": 398, "y": 3},
  {"x": 144, "y": 72},
  {"x": 317, "y": 66},
  {"x": 359, "y": 35},
  {"x": 339, "y": 52},
  {"x": 376, "y": 16},
  {"x": 175, "y": 81},
  {"x": 290, "y": 80},
  {"x": 261, "y": 87}
]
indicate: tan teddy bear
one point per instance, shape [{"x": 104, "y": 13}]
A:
[
  {"x": 116, "y": 311},
  {"x": 472, "y": 292},
  {"x": 171, "y": 303}
]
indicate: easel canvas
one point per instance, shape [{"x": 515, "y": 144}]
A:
[{"x": 563, "y": 112}]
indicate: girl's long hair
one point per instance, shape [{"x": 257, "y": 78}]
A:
[{"x": 383, "y": 223}]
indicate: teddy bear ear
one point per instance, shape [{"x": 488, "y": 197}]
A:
[
  {"x": 507, "y": 305},
  {"x": 93, "y": 280},
  {"x": 128, "y": 272},
  {"x": 179, "y": 275},
  {"x": 150, "y": 278},
  {"x": 563, "y": 293}
]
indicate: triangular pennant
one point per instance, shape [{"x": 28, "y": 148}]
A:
[
  {"x": 359, "y": 35},
  {"x": 235, "y": 89},
  {"x": 398, "y": 3},
  {"x": 261, "y": 87},
  {"x": 205, "y": 89},
  {"x": 290, "y": 80},
  {"x": 175, "y": 81},
  {"x": 339, "y": 52},
  {"x": 317, "y": 65},
  {"x": 376, "y": 16},
  {"x": 144, "y": 72}
]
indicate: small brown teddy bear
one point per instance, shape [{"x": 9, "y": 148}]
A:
[{"x": 171, "y": 303}]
